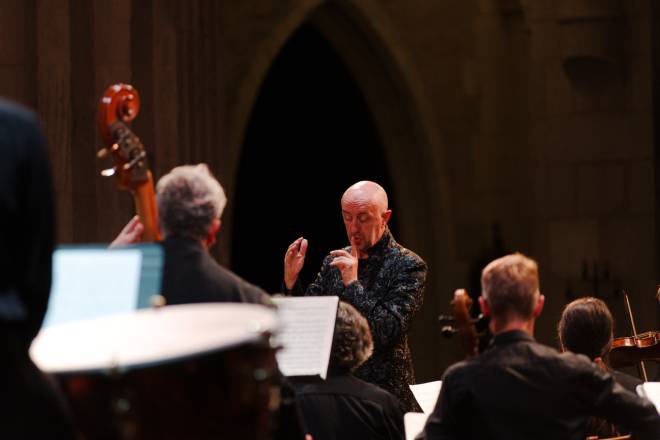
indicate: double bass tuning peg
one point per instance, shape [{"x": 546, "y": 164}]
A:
[
  {"x": 109, "y": 172},
  {"x": 103, "y": 153},
  {"x": 129, "y": 165}
]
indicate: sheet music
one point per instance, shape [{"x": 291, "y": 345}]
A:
[
  {"x": 426, "y": 394},
  {"x": 92, "y": 282},
  {"x": 414, "y": 424},
  {"x": 308, "y": 324},
  {"x": 650, "y": 390}
]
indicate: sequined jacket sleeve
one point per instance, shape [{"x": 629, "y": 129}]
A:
[
  {"x": 391, "y": 309},
  {"x": 389, "y": 302},
  {"x": 321, "y": 286}
]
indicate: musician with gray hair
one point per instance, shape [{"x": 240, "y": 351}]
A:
[{"x": 190, "y": 204}]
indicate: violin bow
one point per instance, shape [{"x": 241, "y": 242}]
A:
[{"x": 631, "y": 320}]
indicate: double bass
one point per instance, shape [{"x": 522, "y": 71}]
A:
[
  {"x": 461, "y": 323},
  {"x": 118, "y": 106}
]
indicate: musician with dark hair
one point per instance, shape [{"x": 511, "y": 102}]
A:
[
  {"x": 519, "y": 389},
  {"x": 344, "y": 407},
  {"x": 30, "y": 406},
  {"x": 586, "y": 327}
]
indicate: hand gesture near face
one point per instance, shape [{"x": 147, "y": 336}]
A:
[
  {"x": 347, "y": 263},
  {"x": 294, "y": 259}
]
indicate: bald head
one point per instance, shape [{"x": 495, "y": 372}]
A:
[
  {"x": 366, "y": 192},
  {"x": 365, "y": 213}
]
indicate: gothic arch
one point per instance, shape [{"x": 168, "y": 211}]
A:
[{"x": 412, "y": 146}]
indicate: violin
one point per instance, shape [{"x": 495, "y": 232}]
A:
[
  {"x": 630, "y": 350},
  {"x": 118, "y": 106},
  {"x": 635, "y": 349}
]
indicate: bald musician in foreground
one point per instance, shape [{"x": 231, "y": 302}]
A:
[
  {"x": 379, "y": 277},
  {"x": 519, "y": 389}
]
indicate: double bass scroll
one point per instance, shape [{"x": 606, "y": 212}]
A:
[
  {"x": 118, "y": 106},
  {"x": 462, "y": 324}
]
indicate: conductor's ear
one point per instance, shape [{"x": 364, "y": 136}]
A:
[{"x": 386, "y": 216}]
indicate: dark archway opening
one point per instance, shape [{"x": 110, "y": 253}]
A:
[{"x": 310, "y": 136}]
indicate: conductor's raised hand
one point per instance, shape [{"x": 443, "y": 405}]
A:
[
  {"x": 347, "y": 263},
  {"x": 294, "y": 260}
]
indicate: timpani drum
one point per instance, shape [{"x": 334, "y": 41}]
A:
[{"x": 178, "y": 372}]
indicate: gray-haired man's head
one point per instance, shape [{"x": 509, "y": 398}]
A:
[{"x": 190, "y": 201}]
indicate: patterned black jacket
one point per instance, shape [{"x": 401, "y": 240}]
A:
[{"x": 388, "y": 293}]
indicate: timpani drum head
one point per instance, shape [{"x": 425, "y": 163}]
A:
[
  {"x": 149, "y": 336},
  {"x": 203, "y": 371}
]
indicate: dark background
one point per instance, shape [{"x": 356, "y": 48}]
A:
[{"x": 309, "y": 138}]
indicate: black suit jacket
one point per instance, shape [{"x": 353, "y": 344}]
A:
[
  {"x": 191, "y": 275},
  {"x": 519, "y": 389},
  {"x": 27, "y": 220},
  {"x": 30, "y": 406},
  {"x": 345, "y": 408},
  {"x": 626, "y": 380}
]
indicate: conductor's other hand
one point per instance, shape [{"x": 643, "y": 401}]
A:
[
  {"x": 347, "y": 263},
  {"x": 294, "y": 259},
  {"x": 132, "y": 233}
]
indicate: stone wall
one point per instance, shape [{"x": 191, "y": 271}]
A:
[{"x": 491, "y": 134}]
